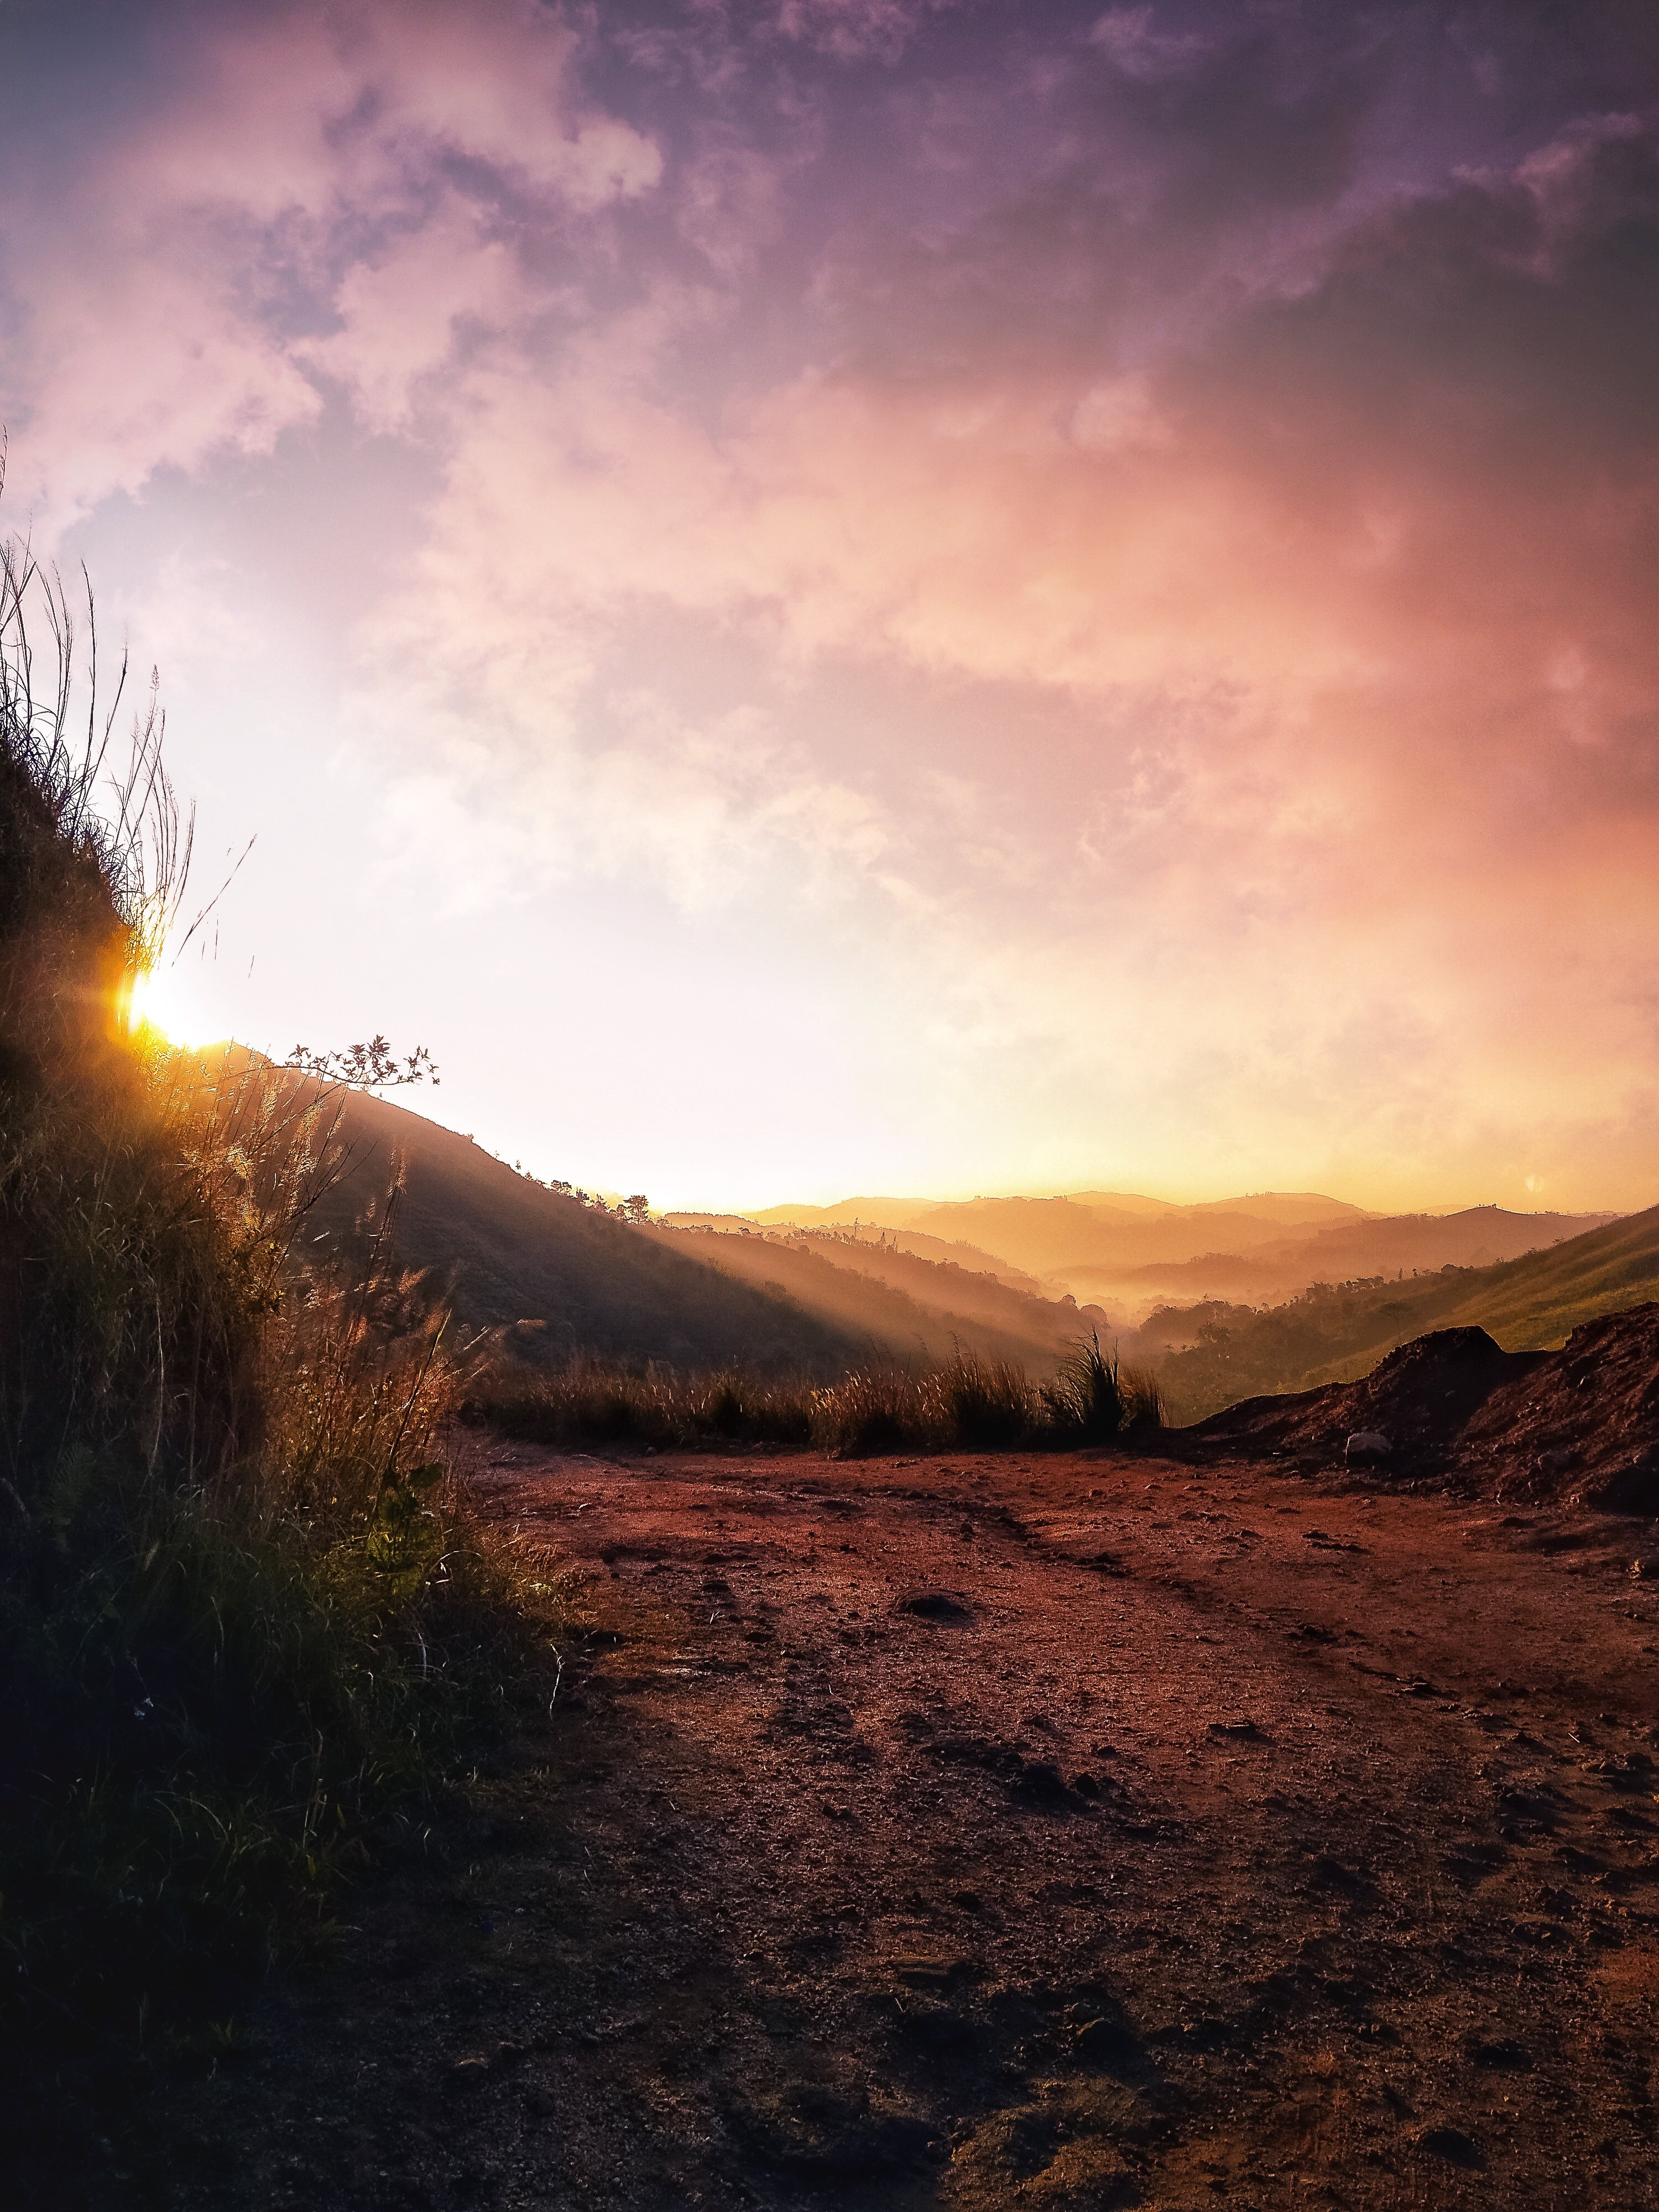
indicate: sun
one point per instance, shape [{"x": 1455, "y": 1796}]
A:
[{"x": 157, "y": 1001}]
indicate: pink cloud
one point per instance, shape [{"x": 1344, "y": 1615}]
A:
[
  {"x": 1384, "y": 659},
  {"x": 298, "y": 156}
]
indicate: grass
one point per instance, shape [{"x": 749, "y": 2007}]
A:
[
  {"x": 245, "y": 1609},
  {"x": 965, "y": 1403}
]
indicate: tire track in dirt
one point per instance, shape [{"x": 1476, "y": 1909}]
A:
[{"x": 984, "y": 1832}]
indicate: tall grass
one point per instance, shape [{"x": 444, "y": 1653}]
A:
[
  {"x": 965, "y": 1403},
  {"x": 243, "y": 1604}
]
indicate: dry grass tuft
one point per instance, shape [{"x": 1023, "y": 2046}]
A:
[{"x": 966, "y": 1403}]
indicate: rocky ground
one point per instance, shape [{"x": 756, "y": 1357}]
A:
[{"x": 987, "y": 1833}]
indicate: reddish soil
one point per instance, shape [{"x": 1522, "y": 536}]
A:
[{"x": 988, "y": 1832}]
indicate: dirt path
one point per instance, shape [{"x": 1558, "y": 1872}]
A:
[{"x": 981, "y": 1833}]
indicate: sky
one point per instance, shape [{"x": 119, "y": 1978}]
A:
[{"x": 926, "y": 596}]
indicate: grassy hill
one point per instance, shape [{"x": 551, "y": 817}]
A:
[
  {"x": 1211, "y": 1355},
  {"x": 1479, "y": 1237}
]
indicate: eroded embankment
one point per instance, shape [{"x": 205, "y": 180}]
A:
[{"x": 1580, "y": 1425}]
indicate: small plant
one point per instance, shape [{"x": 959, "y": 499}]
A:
[{"x": 370, "y": 1067}]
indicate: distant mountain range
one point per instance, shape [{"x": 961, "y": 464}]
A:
[
  {"x": 1268, "y": 1273},
  {"x": 1129, "y": 1253}
]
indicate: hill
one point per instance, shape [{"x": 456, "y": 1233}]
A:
[
  {"x": 1091, "y": 1244},
  {"x": 566, "y": 1276},
  {"x": 1288, "y": 1208},
  {"x": 882, "y": 1212},
  {"x": 515, "y": 1252},
  {"x": 1388, "y": 1244},
  {"x": 851, "y": 1237},
  {"x": 907, "y": 1302},
  {"x": 1064, "y": 1240},
  {"x": 1212, "y": 1355}
]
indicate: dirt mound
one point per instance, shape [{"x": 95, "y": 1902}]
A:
[
  {"x": 1583, "y": 1421},
  {"x": 1421, "y": 1398}
]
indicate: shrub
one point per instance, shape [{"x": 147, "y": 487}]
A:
[
  {"x": 878, "y": 1409},
  {"x": 595, "y": 1401},
  {"x": 1085, "y": 1403}
]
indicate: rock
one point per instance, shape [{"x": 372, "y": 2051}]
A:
[
  {"x": 1558, "y": 1461},
  {"x": 1366, "y": 1447}
]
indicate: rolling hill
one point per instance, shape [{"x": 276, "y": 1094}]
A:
[
  {"x": 1479, "y": 1237},
  {"x": 910, "y": 1304},
  {"x": 1081, "y": 1245},
  {"x": 1127, "y": 1254},
  {"x": 1213, "y": 1354},
  {"x": 853, "y": 1238},
  {"x": 562, "y": 1275}
]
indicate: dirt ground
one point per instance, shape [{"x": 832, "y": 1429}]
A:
[{"x": 1066, "y": 1832}]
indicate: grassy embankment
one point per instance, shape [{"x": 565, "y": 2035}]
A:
[{"x": 243, "y": 1608}]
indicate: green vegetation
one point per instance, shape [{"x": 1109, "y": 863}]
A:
[
  {"x": 243, "y": 1609},
  {"x": 1211, "y": 1355},
  {"x": 963, "y": 1403}
]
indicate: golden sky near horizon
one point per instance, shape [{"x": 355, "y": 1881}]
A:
[{"x": 908, "y": 595}]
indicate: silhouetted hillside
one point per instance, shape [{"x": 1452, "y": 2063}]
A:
[
  {"x": 518, "y": 1252},
  {"x": 851, "y": 1239}
]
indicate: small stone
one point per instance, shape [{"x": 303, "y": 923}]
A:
[{"x": 1365, "y": 1447}]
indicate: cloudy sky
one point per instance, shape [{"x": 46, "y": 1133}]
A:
[{"x": 901, "y": 595}]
